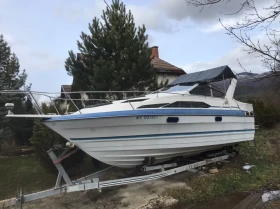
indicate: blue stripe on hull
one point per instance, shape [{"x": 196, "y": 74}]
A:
[
  {"x": 154, "y": 112},
  {"x": 161, "y": 135}
]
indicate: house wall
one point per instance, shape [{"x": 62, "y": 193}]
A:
[
  {"x": 170, "y": 77},
  {"x": 64, "y": 104},
  {"x": 84, "y": 96}
]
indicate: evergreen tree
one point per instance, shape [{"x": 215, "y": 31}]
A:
[
  {"x": 114, "y": 56},
  {"x": 44, "y": 139},
  {"x": 22, "y": 128},
  {"x": 11, "y": 78}
]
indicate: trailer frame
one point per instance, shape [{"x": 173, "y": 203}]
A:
[{"x": 92, "y": 181}]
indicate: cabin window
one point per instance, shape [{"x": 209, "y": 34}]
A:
[
  {"x": 99, "y": 104},
  {"x": 188, "y": 104},
  {"x": 152, "y": 105},
  {"x": 134, "y": 100},
  {"x": 172, "y": 120},
  {"x": 218, "y": 119}
]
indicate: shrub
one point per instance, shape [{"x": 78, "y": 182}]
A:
[{"x": 265, "y": 113}]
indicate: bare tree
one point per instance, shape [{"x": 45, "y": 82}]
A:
[{"x": 252, "y": 19}]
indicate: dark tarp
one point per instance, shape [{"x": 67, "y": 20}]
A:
[{"x": 206, "y": 76}]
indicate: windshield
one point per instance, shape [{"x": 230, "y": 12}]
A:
[
  {"x": 175, "y": 88},
  {"x": 208, "y": 90}
]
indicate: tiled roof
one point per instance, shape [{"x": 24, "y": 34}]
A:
[{"x": 162, "y": 66}]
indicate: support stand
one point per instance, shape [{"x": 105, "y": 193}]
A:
[{"x": 61, "y": 172}]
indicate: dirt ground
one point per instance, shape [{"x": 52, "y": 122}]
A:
[{"x": 146, "y": 195}]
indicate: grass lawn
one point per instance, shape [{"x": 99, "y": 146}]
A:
[
  {"x": 232, "y": 179},
  {"x": 27, "y": 173},
  {"x": 23, "y": 172}
]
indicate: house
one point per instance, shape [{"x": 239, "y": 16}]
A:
[
  {"x": 64, "y": 104},
  {"x": 164, "y": 70}
]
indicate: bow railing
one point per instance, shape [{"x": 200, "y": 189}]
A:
[{"x": 87, "y": 98}]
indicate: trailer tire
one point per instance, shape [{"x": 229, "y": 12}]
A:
[{"x": 234, "y": 153}]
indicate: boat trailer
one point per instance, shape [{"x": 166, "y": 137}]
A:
[{"x": 92, "y": 181}]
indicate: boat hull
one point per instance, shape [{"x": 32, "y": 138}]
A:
[{"x": 127, "y": 141}]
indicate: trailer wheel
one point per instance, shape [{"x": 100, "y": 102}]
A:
[
  {"x": 234, "y": 153},
  {"x": 219, "y": 164}
]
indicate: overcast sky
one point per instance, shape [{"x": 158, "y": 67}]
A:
[{"x": 42, "y": 32}]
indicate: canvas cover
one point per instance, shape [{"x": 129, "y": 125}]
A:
[{"x": 206, "y": 76}]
